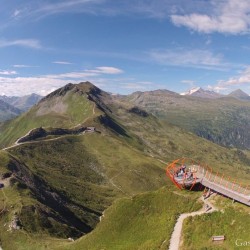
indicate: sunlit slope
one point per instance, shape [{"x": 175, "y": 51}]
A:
[
  {"x": 65, "y": 108},
  {"x": 232, "y": 220},
  {"x": 144, "y": 222}
]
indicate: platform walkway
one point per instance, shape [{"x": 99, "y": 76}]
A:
[
  {"x": 223, "y": 186},
  {"x": 205, "y": 176}
]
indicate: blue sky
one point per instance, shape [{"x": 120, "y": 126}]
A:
[{"x": 124, "y": 46}]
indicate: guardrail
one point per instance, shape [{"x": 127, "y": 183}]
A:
[{"x": 207, "y": 177}]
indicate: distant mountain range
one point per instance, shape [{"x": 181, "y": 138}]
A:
[
  {"x": 224, "y": 120},
  {"x": 240, "y": 95},
  {"x": 200, "y": 92},
  {"x": 12, "y": 106},
  {"x": 8, "y": 111}
]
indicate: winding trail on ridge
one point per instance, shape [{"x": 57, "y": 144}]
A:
[
  {"x": 176, "y": 235},
  {"x": 16, "y": 144}
]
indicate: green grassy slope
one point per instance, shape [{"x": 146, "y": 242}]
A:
[
  {"x": 79, "y": 172},
  {"x": 233, "y": 221},
  {"x": 224, "y": 120},
  {"x": 64, "y": 110},
  {"x": 144, "y": 222}
]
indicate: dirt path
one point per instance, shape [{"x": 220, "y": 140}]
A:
[
  {"x": 176, "y": 235},
  {"x": 16, "y": 144},
  {"x": 32, "y": 142}
]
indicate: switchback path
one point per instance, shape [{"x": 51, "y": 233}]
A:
[{"x": 176, "y": 235}]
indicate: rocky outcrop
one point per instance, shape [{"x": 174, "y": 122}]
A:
[
  {"x": 38, "y": 133},
  {"x": 138, "y": 111},
  {"x": 52, "y": 206}
]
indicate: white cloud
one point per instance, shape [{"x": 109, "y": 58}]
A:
[
  {"x": 45, "y": 84},
  {"x": 31, "y": 43},
  {"x": 41, "y": 9},
  {"x": 62, "y": 62},
  {"x": 108, "y": 70},
  {"x": 240, "y": 81},
  {"x": 8, "y": 72},
  {"x": 189, "y": 58},
  {"x": 189, "y": 82},
  {"x": 159, "y": 9},
  {"x": 217, "y": 89},
  {"x": 88, "y": 73},
  {"x": 22, "y": 66},
  {"x": 16, "y": 13},
  {"x": 228, "y": 16}
]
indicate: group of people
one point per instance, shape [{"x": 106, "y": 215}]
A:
[{"x": 183, "y": 171}]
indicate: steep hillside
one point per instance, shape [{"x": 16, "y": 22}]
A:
[
  {"x": 225, "y": 121},
  {"x": 62, "y": 182},
  {"x": 138, "y": 223}
]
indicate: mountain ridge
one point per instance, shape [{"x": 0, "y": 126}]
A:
[
  {"x": 223, "y": 120},
  {"x": 22, "y": 102},
  {"x": 60, "y": 175},
  {"x": 8, "y": 111},
  {"x": 200, "y": 92},
  {"x": 240, "y": 95}
]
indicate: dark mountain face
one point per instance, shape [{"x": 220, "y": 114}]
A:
[
  {"x": 22, "y": 102},
  {"x": 12, "y": 106},
  {"x": 9, "y": 99},
  {"x": 240, "y": 95},
  {"x": 26, "y": 102},
  {"x": 8, "y": 111}
]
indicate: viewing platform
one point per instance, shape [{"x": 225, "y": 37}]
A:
[{"x": 186, "y": 174}]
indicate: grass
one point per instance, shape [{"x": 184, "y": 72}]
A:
[
  {"x": 88, "y": 183},
  {"x": 233, "y": 221},
  {"x": 144, "y": 222},
  {"x": 15, "y": 199}
]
